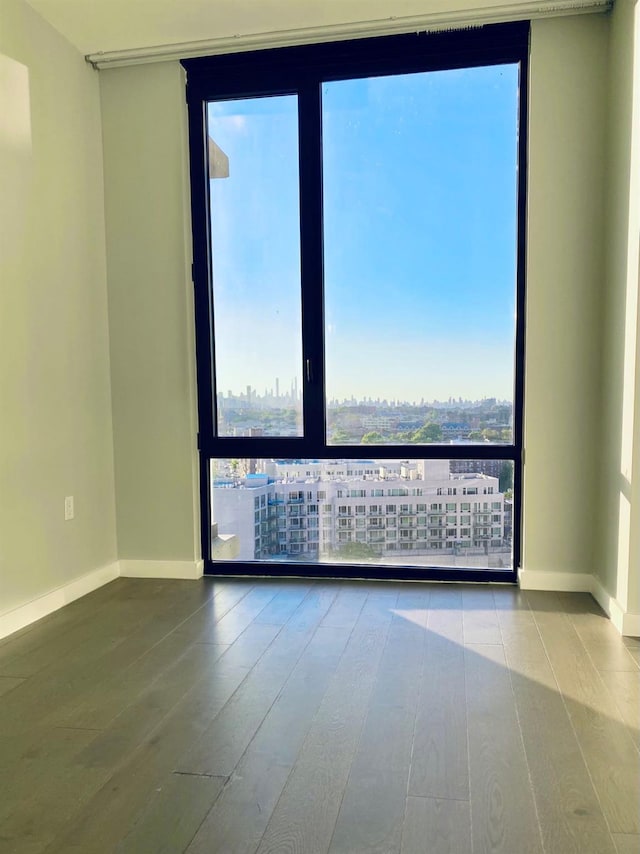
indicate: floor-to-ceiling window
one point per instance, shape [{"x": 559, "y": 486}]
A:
[{"x": 358, "y": 220}]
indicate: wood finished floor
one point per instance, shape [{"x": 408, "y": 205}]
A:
[{"x": 310, "y": 717}]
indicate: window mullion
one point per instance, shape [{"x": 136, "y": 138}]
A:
[
  {"x": 201, "y": 272},
  {"x": 311, "y": 252}
]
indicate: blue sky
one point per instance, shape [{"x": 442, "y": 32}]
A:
[{"x": 420, "y": 237}]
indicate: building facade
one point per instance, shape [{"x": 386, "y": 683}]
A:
[{"x": 315, "y": 510}]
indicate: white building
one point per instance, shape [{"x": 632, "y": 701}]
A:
[{"x": 313, "y": 509}]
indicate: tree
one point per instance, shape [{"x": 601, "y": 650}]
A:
[
  {"x": 491, "y": 435},
  {"x": 427, "y": 433},
  {"x": 505, "y": 478},
  {"x": 341, "y": 437},
  {"x": 372, "y": 438},
  {"x": 357, "y": 551}
]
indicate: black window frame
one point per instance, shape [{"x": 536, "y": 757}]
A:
[{"x": 301, "y": 70}]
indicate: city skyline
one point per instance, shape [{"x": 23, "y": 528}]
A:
[
  {"x": 293, "y": 393},
  {"x": 419, "y": 233}
]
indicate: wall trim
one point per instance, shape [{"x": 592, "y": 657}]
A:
[
  {"x": 507, "y": 10},
  {"x": 185, "y": 569},
  {"x": 626, "y": 623},
  {"x": 565, "y": 582},
  {"x": 583, "y": 582},
  {"x": 631, "y": 625},
  {"x": 42, "y": 606}
]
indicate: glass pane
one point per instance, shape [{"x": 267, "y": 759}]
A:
[
  {"x": 449, "y": 513},
  {"x": 255, "y": 235},
  {"x": 420, "y": 181}
]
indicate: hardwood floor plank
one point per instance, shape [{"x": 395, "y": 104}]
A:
[
  {"x": 635, "y": 654},
  {"x": 219, "y": 749},
  {"x": 130, "y": 607},
  {"x": 39, "y": 700},
  {"x": 116, "y": 640},
  {"x": 257, "y": 637},
  {"x": 168, "y": 823},
  {"x": 608, "y": 749},
  {"x": 240, "y": 815},
  {"x": 480, "y": 620},
  {"x": 627, "y": 843},
  {"x": 624, "y": 687},
  {"x": 8, "y": 683},
  {"x": 138, "y": 722},
  {"x": 598, "y": 635},
  {"x": 132, "y": 782},
  {"x": 568, "y": 809},
  {"x": 137, "y": 661},
  {"x": 42, "y": 792},
  {"x": 284, "y": 603},
  {"x": 109, "y": 815},
  {"x": 225, "y": 621},
  {"x": 502, "y": 805},
  {"x": 305, "y": 815},
  {"x": 440, "y": 760},
  {"x": 54, "y": 625},
  {"x": 414, "y": 597},
  {"x": 436, "y": 826},
  {"x": 347, "y": 606},
  {"x": 372, "y": 810}
]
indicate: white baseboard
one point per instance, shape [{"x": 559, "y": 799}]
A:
[
  {"x": 582, "y": 582},
  {"x": 565, "y": 582},
  {"x": 18, "y": 618},
  {"x": 626, "y": 623},
  {"x": 631, "y": 625},
  {"x": 185, "y": 569}
]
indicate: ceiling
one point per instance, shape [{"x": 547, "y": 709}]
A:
[{"x": 96, "y": 26}]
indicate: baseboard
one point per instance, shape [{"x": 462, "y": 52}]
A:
[
  {"x": 42, "y": 606},
  {"x": 631, "y": 625},
  {"x": 185, "y": 569},
  {"x": 565, "y": 582},
  {"x": 582, "y": 582},
  {"x": 627, "y": 624}
]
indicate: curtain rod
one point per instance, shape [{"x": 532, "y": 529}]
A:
[{"x": 515, "y": 10}]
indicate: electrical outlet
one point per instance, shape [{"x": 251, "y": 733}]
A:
[{"x": 68, "y": 508}]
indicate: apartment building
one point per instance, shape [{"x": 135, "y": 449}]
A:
[{"x": 311, "y": 509}]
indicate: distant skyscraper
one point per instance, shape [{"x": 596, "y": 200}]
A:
[{"x": 277, "y": 387}]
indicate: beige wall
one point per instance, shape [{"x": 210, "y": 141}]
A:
[
  {"x": 55, "y": 409},
  {"x": 567, "y": 122},
  {"x": 150, "y": 310},
  {"x": 619, "y": 554},
  {"x": 143, "y": 108}
]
